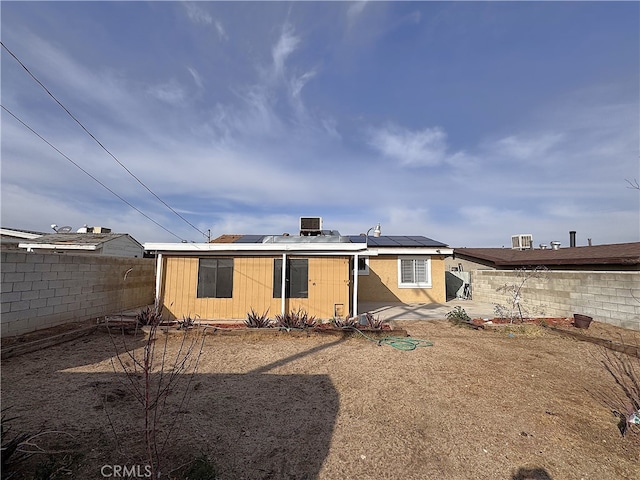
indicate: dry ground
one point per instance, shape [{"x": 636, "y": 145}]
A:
[{"x": 475, "y": 405}]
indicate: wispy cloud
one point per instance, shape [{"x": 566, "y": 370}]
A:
[
  {"x": 355, "y": 10},
  {"x": 421, "y": 148},
  {"x": 197, "y": 14},
  {"x": 285, "y": 46},
  {"x": 519, "y": 148},
  {"x": 222, "y": 33},
  {"x": 196, "y": 77},
  {"x": 171, "y": 93}
]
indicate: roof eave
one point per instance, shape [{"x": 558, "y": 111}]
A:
[{"x": 53, "y": 246}]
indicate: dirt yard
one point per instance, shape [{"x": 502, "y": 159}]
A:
[{"x": 475, "y": 405}]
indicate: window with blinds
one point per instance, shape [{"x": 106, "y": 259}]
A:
[{"x": 414, "y": 272}]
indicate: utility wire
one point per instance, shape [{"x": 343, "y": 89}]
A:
[
  {"x": 98, "y": 142},
  {"x": 87, "y": 173}
]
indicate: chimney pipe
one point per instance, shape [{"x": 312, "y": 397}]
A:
[{"x": 572, "y": 238}]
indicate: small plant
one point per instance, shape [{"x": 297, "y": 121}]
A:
[
  {"x": 458, "y": 316},
  {"x": 12, "y": 455},
  {"x": 255, "y": 320},
  {"x": 60, "y": 461},
  {"x": 56, "y": 467},
  {"x": 298, "y": 319},
  {"x": 201, "y": 469},
  {"x": 186, "y": 323},
  {"x": 373, "y": 322},
  {"x": 149, "y": 316},
  {"x": 345, "y": 322}
]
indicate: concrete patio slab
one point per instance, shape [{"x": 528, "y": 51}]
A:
[{"x": 426, "y": 311}]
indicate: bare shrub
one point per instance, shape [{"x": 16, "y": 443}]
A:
[
  {"x": 151, "y": 374},
  {"x": 624, "y": 399},
  {"x": 517, "y": 307}
]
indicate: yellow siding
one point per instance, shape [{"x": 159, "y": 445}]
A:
[
  {"x": 253, "y": 288},
  {"x": 381, "y": 285}
]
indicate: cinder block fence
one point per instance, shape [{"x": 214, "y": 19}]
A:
[
  {"x": 609, "y": 297},
  {"x": 45, "y": 290}
]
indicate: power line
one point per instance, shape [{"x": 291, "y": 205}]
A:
[
  {"x": 87, "y": 173},
  {"x": 98, "y": 142}
]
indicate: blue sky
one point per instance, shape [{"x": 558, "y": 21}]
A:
[{"x": 466, "y": 122}]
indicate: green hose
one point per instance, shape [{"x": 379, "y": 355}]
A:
[{"x": 405, "y": 344}]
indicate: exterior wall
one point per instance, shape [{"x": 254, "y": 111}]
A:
[
  {"x": 253, "y": 288},
  {"x": 123, "y": 247},
  {"x": 467, "y": 265},
  {"x": 45, "y": 290},
  {"x": 381, "y": 285},
  {"x": 609, "y": 297}
]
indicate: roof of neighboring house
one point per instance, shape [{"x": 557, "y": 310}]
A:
[
  {"x": 18, "y": 233},
  {"x": 611, "y": 254},
  {"x": 84, "y": 241},
  {"x": 226, "y": 238}
]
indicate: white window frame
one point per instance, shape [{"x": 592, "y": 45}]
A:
[
  {"x": 365, "y": 271},
  {"x": 427, "y": 284}
]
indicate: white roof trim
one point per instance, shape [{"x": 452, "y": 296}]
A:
[
  {"x": 54, "y": 246},
  {"x": 19, "y": 234},
  {"x": 413, "y": 251},
  {"x": 200, "y": 248}
]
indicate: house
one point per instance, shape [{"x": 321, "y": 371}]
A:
[
  {"x": 322, "y": 272},
  {"x": 602, "y": 281},
  {"x": 11, "y": 237},
  {"x": 113, "y": 244},
  {"x": 611, "y": 257}
]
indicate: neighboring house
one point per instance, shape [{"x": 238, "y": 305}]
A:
[
  {"x": 112, "y": 244},
  {"x": 11, "y": 237},
  {"x": 326, "y": 274},
  {"x": 611, "y": 257}
]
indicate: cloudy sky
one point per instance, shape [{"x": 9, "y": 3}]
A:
[{"x": 463, "y": 122}]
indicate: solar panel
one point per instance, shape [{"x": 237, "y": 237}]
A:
[
  {"x": 250, "y": 239},
  {"x": 427, "y": 242},
  {"x": 398, "y": 241}
]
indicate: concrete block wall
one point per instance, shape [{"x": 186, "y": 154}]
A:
[
  {"x": 45, "y": 290},
  {"x": 609, "y": 297}
]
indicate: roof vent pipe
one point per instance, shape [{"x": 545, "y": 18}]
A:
[
  {"x": 555, "y": 245},
  {"x": 572, "y": 238}
]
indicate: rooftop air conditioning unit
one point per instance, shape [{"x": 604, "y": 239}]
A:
[
  {"x": 310, "y": 225},
  {"x": 522, "y": 242},
  {"x": 98, "y": 230}
]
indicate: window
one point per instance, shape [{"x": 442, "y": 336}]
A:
[
  {"x": 363, "y": 265},
  {"x": 296, "y": 278},
  {"x": 414, "y": 272},
  {"x": 215, "y": 278}
]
